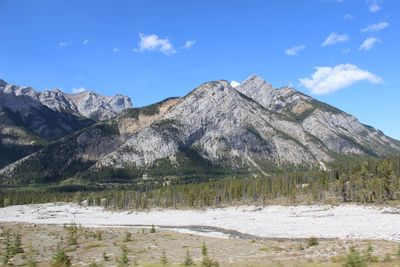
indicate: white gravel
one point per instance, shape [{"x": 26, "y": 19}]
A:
[{"x": 343, "y": 221}]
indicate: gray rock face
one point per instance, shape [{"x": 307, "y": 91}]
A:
[
  {"x": 98, "y": 107},
  {"x": 224, "y": 127},
  {"x": 87, "y": 104},
  {"x": 338, "y": 131},
  {"x": 26, "y": 110},
  {"x": 247, "y": 128}
]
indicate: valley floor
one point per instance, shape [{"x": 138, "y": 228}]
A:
[
  {"x": 235, "y": 236},
  {"x": 322, "y": 221}
]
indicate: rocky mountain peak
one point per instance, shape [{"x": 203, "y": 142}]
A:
[
  {"x": 256, "y": 82},
  {"x": 87, "y": 104},
  {"x": 2, "y": 83},
  {"x": 258, "y": 89}
]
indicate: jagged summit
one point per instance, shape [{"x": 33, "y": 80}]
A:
[
  {"x": 2, "y": 83},
  {"x": 87, "y": 103}
]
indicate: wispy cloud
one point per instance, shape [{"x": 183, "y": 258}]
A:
[
  {"x": 86, "y": 41},
  {"x": 335, "y": 38},
  {"x": 64, "y": 44},
  {"x": 293, "y": 51},
  {"x": 78, "y": 90},
  {"x": 348, "y": 17},
  {"x": 115, "y": 49},
  {"x": 189, "y": 44},
  {"x": 369, "y": 43},
  {"x": 373, "y": 5},
  {"x": 153, "y": 42},
  {"x": 327, "y": 80},
  {"x": 375, "y": 27}
]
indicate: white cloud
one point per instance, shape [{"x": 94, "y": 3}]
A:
[
  {"x": 369, "y": 43},
  {"x": 64, "y": 44},
  {"x": 327, "y": 80},
  {"x": 294, "y": 50},
  {"x": 348, "y": 17},
  {"x": 78, "y": 90},
  {"x": 335, "y": 38},
  {"x": 375, "y": 27},
  {"x": 235, "y": 84},
  {"x": 189, "y": 44},
  {"x": 153, "y": 42},
  {"x": 86, "y": 41},
  {"x": 373, "y": 5},
  {"x": 115, "y": 49}
]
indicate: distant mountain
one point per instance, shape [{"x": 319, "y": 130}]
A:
[
  {"x": 29, "y": 119},
  {"x": 214, "y": 130},
  {"x": 86, "y": 104},
  {"x": 77, "y": 152}
]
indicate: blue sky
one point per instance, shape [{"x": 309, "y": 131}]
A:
[{"x": 343, "y": 52}]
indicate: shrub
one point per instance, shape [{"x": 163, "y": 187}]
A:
[
  {"x": 128, "y": 237},
  {"x": 354, "y": 259},
  {"x": 312, "y": 241},
  {"x": 99, "y": 235},
  {"x": 368, "y": 253},
  {"x": 105, "y": 256}
]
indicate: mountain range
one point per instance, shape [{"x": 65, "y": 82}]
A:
[{"x": 213, "y": 130}]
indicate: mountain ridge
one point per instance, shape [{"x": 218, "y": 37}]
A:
[{"x": 212, "y": 130}]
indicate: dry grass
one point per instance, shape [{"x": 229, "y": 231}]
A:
[{"x": 145, "y": 248}]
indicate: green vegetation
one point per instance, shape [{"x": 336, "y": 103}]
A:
[
  {"x": 188, "y": 261},
  {"x": 354, "y": 259},
  {"x": 206, "y": 261},
  {"x": 361, "y": 181},
  {"x": 72, "y": 237},
  {"x": 60, "y": 258},
  {"x": 163, "y": 258},
  {"x": 312, "y": 241},
  {"x": 123, "y": 260}
]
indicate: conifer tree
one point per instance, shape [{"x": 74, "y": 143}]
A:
[
  {"x": 17, "y": 246},
  {"x": 60, "y": 258},
  {"x": 163, "y": 258},
  {"x": 188, "y": 261},
  {"x": 123, "y": 260}
]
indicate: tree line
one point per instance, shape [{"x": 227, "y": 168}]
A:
[{"x": 361, "y": 181}]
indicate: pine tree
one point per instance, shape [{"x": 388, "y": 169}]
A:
[
  {"x": 60, "y": 258},
  {"x": 163, "y": 258},
  {"x": 7, "y": 252},
  {"x": 72, "y": 238},
  {"x": 17, "y": 246},
  {"x": 188, "y": 259},
  {"x": 123, "y": 260},
  {"x": 31, "y": 261}
]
